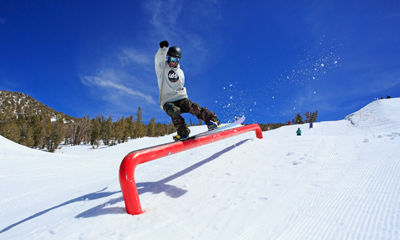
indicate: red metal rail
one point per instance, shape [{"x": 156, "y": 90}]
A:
[{"x": 132, "y": 159}]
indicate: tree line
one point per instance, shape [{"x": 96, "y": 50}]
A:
[
  {"x": 309, "y": 118},
  {"x": 42, "y": 132},
  {"x": 298, "y": 119}
]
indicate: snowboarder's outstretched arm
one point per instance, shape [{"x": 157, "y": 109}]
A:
[{"x": 159, "y": 60}]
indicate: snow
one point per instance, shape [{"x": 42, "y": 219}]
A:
[{"x": 339, "y": 180}]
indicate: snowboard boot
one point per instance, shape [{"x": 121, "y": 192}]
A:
[
  {"x": 182, "y": 135},
  {"x": 213, "y": 124}
]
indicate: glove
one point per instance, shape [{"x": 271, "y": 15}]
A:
[{"x": 164, "y": 44}]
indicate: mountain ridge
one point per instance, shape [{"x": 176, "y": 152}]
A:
[{"x": 13, "y": 104}]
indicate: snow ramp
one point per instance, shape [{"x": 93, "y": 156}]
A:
[{"x": 382, "y": 114}]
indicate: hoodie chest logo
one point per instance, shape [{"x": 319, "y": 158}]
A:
[{"x": 173, "y": 76}]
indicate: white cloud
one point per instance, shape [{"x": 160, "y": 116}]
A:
[
  {"x": 110, "y": 80},
  {"x": 167, "y": 22},
  {"x": 164, "y": 16},
  {"x": 131, "y": 55}
]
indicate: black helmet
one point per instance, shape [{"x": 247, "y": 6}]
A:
[{"x": 174, "y": 52}]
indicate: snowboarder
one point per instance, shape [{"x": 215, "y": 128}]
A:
[
  {"x": 298, "y": 132},
  {"x": 173, "y": 98}
]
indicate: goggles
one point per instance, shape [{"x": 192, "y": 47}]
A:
[{"x": 172, "y": 59}]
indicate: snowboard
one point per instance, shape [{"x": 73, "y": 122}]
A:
[{"x": 238, "y": 121}]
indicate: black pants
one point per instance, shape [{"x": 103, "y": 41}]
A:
[{"x": 175, "y": 109}]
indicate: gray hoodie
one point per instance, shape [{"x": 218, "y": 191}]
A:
[{"x": 171, "y": 81}]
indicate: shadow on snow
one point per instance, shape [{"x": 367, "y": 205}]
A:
[
  {"x": 91, "y": 196},
  {"x": 145, "y": 187},
  {"x": 155, "y": 187}
]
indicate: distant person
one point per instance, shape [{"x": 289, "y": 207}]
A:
[
  {"x": 173, "y": 98},
  {"x": 311, "y": 124},
  {"x": 298, "y": 132}
]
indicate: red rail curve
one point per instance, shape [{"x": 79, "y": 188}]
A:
[{"x": 132, "y": 159}]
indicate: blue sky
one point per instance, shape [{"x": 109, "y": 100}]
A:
[{"x": 266, "y": 59}]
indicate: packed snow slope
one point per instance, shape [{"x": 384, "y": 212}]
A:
[{"x": 339, "y": 180}]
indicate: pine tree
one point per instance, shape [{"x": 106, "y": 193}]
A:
[
  {"x": 311, "y": 116},
  {"x": 314, "y": 116},
  {"x": 85, "y": 130},
  {"x": 140, "y": 130},
  {"x": 95, "y": 132},
  {"x": 128, "y": 131},
  {"x": 26, "y": 137},
  {"x": 45, "y": 125},
  {"x": 120, "y": 126},
  {"x": 106, "y": 130},
  {"x": 113, "y": 139},
  {"x": 35, "y": 125},
  {"x": 159, "y": 129},
  {"x": 11, "y": 130},
  {"x": 308, "y": 117},
  {"x": 298, "y": 119},
  {"x": 151, "y": 128},
  {"x": 55, "y": 136}
]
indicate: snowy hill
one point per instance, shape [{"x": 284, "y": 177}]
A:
[
  {"x": 381, "y": 115},
  {"x": 13, "y": 104},
  {"x": 339, "y": 180}
]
